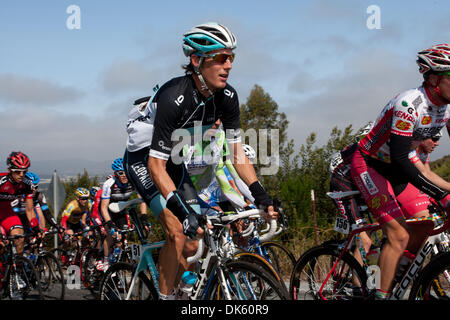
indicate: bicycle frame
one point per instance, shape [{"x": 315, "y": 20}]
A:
[
  {"x": 213, "y": 261},
  {"x": 429, "y": 242}
]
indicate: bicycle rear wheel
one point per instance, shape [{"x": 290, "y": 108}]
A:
[
  {"x": 347, "y": 281},
  {"x": 433, "y": 282},
  {"x": 117, "y": 284},
  {"x": 246, "y": 281},
  {"x": 51, "y": 276}
]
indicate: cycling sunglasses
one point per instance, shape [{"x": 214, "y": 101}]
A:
[
  {"x": 24, "y": 171},
  {"x": 220, "y": 57},
  {"x": 83, "y": 198},
  {"x": 119, "y": 173},
  {"x": 435, "y": 139}
]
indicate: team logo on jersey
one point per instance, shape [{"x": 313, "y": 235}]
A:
[
  {"x": 403, "y": 115},
  {"x": 426, "y": 120},
  {"x": 403, "y": 125}
]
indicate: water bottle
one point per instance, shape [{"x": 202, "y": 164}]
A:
[
  {"x": 405, "y": 260},
  {"x": 186, "y": 284},
  {"x": 113, "y": 257}
]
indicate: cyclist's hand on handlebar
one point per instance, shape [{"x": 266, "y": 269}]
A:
[{"x": 271, "y": 213}]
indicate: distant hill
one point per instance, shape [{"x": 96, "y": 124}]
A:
[
  {"x": 442, "y": 167},
  {"x": 67, "y": 168}
]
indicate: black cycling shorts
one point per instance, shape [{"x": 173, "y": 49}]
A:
[{"x": 135, "y": 165}]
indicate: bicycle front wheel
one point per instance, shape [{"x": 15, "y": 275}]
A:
[
  {"x": 51, "y": 276},
  {"x": 433, "y": 283},
  {"x": 245, "y": 281},
  {"x": 117, "y": 284},
  {"x": 280, "y": 257},
  {"x": 313, "y": 272},
  {"x": 23, "y": 281}
]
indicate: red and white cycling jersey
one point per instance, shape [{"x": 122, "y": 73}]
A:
[{"x": 410, "y": 114}]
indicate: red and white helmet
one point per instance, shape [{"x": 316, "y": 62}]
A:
[
  {"x": 436, "y": 58},
  {"x": 17, "y": 160}
]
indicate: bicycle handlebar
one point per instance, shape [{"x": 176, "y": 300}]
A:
[
  {"x": 269, "y": 235},
  {"x": 198, "y": 254},
  {"x": 119, "y": 206}
]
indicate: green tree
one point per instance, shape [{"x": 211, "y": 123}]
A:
[{"x": 258, "y": 114}]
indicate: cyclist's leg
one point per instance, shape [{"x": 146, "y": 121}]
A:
[
  {"x": 414, "y": 204},
  {"x": 379, "y": 196},
  {"x": 11, "y": 223},
  {"x": 174, "y": 228},
  {"x": 135, "y": 164}
]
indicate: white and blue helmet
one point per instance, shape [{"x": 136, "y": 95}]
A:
[{"x": 207, "y": 37}]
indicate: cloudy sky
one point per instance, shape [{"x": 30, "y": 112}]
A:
[{"x": 67, "y": 84}]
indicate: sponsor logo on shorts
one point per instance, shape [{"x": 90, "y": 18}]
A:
[
  {"x": 378, "y": 201},
  {"x": 368, "y": 183}
]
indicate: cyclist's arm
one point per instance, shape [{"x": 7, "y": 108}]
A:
[
  {"x": 83, "y": 220},
  {"x": 246, "y": 171},
  {"x": 399, "y": 149},
  {"x": 242, "y": 165},
  {"x": 243, "y": 188},
  {"x": 430, "y": 175},
  {"x": 227, "y": 190},
  {"x": 46, "y": 211},
  {"x": 29, "y": 210},
  {"x": 41, "y": 217},
  {"x": 159, "y": 176},
  {"x": 104, "y": 209}
]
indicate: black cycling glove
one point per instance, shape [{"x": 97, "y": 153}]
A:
[{"x": 187, "y": 216}]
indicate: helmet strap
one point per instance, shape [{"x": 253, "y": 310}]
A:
[
  {"x": 200, "y": 77},
  {"x": 437, "y": 91}
]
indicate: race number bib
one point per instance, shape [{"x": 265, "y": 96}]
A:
[
  {"x": 136, "y": 251},
  {"x": 342, "y": 225}
]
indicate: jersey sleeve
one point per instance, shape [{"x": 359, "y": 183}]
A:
[
  {"x": 404, "y": 118},
  {"x": 68, "y": 210},
  {"x": 106, "y": 189},
  {"x": 166, "y": 121},
  {"x": 230, "y": 115}
]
